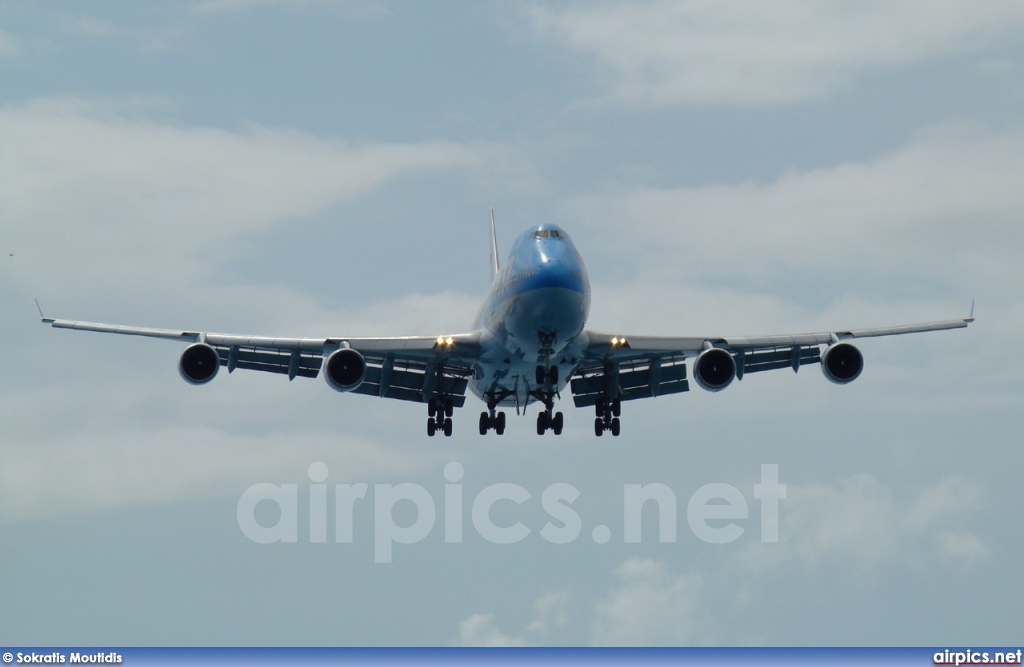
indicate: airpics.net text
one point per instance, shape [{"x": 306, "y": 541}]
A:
[{"x": 712, "y": 511}]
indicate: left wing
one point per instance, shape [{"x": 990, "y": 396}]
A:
[
  {"x": 630, "y": 367},
  {"x": 410, "y": 368}
]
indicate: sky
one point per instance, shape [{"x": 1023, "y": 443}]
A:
[{"x": 325, "y": 168}]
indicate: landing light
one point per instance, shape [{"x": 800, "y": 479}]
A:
[
  {"x": 616, "y": 341},
  {"x": 445, "y": 340}
]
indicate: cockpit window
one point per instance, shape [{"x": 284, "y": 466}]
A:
[{"x": 547, "y": 234}]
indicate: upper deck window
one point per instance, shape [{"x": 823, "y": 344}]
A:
[{"x": 547, "y": 234}]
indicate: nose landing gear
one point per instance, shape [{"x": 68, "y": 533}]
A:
[{"x": 543, "y": 375}]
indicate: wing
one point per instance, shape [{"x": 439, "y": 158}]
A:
[
  {"x": 632, "y": 367},
  {"x": 410, "y": 368}
]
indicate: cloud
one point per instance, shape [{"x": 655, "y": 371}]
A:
[
  {"x": 666, "y": 53},
  {"x": 864, "y": 525},
  {"x": 480, "y": 630},
  {"x": 160, "y": 195},
  {"x": 650, "y": 606},
  {"x": 858, "y": 532},
  {"x": 105, "y": 205},
  {"x": 550, "y": 618},
  {"x": 945, "y": 207}
]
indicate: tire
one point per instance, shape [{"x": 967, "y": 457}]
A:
[
  {"x": 448, "y": 427},
  {"x": 558, "y": 423},
  {"x": 432, "y": 407},
  {"x": 616, "y": 427},
  {"x": 554, "y": 375},
  {"x": 539, "y": 375},
  {"x": 485, "y": 423},
  {"x": 431, "y": 427},
  {"x": 541, "y": 425},
  {"x": 448, "y": 407},
  {"x": 598, "y": 427},
  {"x": 617, "y": 407},
  {"x": 499, "y": 428}
]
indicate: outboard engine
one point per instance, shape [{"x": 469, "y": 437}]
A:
[
  {"x": 344, "y": 369},
  {"x": 842, "y": 363},
  {"x": 714, "y": 369},
  {"x": 199, "y": 363}
]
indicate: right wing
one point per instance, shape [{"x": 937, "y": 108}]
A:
[{"x": 632, "y": 367}]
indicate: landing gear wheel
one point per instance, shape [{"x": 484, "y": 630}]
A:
[
  {"x": 499, "y": 428},
  {"x": 617, "y": 407},
  {"x": 616, "y": 427},
  {"x": 542, "y": 423},
  {"x": 449, "y": 407},
  {"x": 485, "y": 423},
  {"x": 557, "y": 423},
  {"x": 431, "y": 427},
  {"x": 539, "y": 375},
  {"x": 448, "y": 427},
  {"x": 432, "y": 407},
  {"x": 598, "y": 427},
  {"x": 554, "y": 375}
]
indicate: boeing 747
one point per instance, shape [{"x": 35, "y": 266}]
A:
[{"x": 528, "y": 343}]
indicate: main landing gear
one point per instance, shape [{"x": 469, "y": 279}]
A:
[
  {"x": 546, "y": 421},
  {"x": 439, "y": 416},
  {"x": 608, "y": 412},
  {"x": 490, "y": 419}
]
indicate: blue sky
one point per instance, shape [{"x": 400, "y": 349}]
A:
[{"x": 325, "y": 168}]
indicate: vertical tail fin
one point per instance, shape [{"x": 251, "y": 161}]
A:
[{"x": 494, "y": 249}]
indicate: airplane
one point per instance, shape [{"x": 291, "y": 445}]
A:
[{"x": 528, "y": 343}]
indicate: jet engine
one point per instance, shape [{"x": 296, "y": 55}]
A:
[
  {"x": 842, "y": 363},
  {"x": 344, "y": 369},
  {"x": 199, "y": 363},
  {"x": 714, "y": 369}
]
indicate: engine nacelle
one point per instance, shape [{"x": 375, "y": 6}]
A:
[
  {"x": 199, "y": 363},
  {"x": 714, "y": 369},
  {"x": 344, "y": 369},
  {"x": 842, "y": 363}
]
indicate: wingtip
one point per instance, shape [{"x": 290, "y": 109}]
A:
[
  {"x": 974, "y": 306},
  {"x": 42, "y": 318}
]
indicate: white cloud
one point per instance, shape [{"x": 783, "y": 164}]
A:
[
  {"x": 864, "y": 525},
  {"x": 101, "y": 470},
  {"x": 859, "y": 531},
  {"x": 155, "y": 196},
  {"x": 946, "y": 208},
  {"x": 105, "y": 206},
  {"x": 747, "y": 52},
  {"x": 550, "y": 618},
  {"x": 480, "y": 630},
  {"x": 651, "y": 606}
]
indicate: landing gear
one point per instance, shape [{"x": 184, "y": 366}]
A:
[
  {"x": 544, "y": 374},
  {"x": 492, "y": 420},
  {"x": 546, "y": 421},
  {"x": 442, "y": 424},
  {"x": 608, "y": 412},
  {"x": 439, "y": 416}
]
